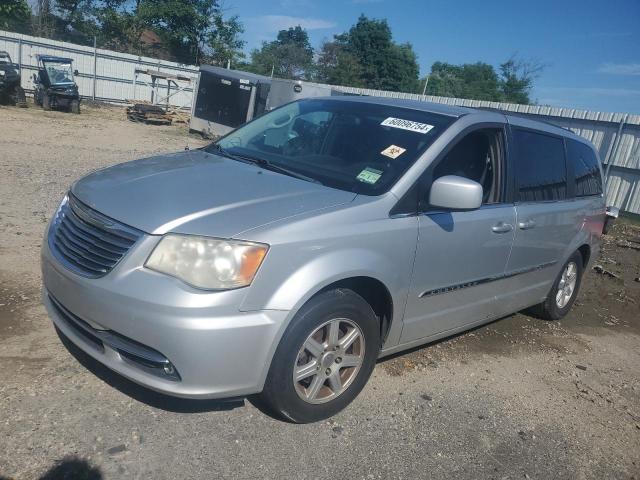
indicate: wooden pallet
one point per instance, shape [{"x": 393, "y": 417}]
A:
[{"x": 149, "y": 114}]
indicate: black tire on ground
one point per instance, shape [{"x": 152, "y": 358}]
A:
[
  {"x": 21, "y": 98},
  {"x": 279, "y": 395},
  {"x": 46, "y": 102},
  {"x": 74, "y": 106},
  {"x": 549, "y": 309}
]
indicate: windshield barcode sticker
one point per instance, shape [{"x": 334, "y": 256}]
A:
[{"x": 407, "y": 125}]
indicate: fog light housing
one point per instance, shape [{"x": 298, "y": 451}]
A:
[{"x": 169, "y": 369}]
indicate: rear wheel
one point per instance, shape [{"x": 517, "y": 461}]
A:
[
  {"x": 564, "y": 291},
  {"x": 74, "y": 106},
  {"x": 46, "y": 102},
  {"x": 324, "y": 358}
]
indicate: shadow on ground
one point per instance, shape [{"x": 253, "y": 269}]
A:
[{"x": 70, "y": 468}]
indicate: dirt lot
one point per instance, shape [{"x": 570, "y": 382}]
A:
[{"x": 519, "y": 398}]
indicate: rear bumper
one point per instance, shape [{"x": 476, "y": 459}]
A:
[{"x": 135, "y": 322}]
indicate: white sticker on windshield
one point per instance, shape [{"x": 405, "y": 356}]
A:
[
  {"x": 407, "y": 125},
  {"x": 393, "y": 151}
]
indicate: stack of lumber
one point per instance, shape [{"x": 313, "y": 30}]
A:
[{"x": 147, "y": 113}]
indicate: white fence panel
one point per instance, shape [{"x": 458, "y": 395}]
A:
[{"x": 103, "y": 74}]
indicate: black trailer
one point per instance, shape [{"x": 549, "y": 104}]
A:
[{"x": 225, "y": 99}]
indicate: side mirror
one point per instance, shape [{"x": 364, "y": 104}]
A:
[
  {"x": 76, "y": 73},
  {"x": 455, "y": 193},
  {"x": 35, "y": 78}
]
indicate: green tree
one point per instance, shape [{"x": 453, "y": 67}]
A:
[
  {"x": 183, "y": 25},
  {"x": 337, "y": 66},
  {"x": 76, "y": 20},
  {"x": 224, "y": 41},
  {"x": 289, "y": 56},
  {"x": 15, "y": 15},
  {"x": 477, "y": 81},
  {"x": 367, "y": 56},
  {"x": 517, "y": 79}
]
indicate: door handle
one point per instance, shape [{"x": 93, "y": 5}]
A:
[
  {"x": 526, "y": 225},
  {"x": 501, "y": 227}
]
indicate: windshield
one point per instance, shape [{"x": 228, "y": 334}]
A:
[
  {"x": 59, "y": 72},
  {"x": 354, "y": 146}
]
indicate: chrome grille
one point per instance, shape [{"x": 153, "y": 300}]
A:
[{"x": 86, "y": 241}]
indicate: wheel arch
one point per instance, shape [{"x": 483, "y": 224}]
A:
[
  {"x": 374, "y": 292},
  {"x": 585, "y": 251}
]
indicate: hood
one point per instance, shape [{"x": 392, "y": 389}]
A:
[{"x": 200, "y": 193}]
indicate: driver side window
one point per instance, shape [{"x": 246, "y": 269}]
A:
[{"x": 479, "y": 156}]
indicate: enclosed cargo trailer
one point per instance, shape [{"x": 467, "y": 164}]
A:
[{"x": 225, "y": 99}]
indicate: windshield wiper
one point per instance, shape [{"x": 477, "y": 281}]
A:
[
  {"x": 221, "y": 151},
  {"x": 261, "y": 162},
  {"x": 267, "y": 165}
]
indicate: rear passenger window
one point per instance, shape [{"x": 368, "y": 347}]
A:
[
  {"x": 540, "y": 167},
  {"x": 585, "y": 167}
]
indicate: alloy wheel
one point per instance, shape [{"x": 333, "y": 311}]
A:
[
  {"x": 328, "y": 361},
  {"x": 567, "y": 285}
]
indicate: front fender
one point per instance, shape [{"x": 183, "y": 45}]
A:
[{"x": 314, "y": 275}]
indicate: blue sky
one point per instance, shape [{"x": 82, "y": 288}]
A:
[{"x": 591, "y": 47}]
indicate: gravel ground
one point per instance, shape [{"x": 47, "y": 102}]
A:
[{"x": 518, "y": 398}]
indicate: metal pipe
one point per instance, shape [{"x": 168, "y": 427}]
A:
[
  {"x": 95, "y": 65},
  {"x": 614, "y": 150},
  {"x": 20, "y": 59},
  {"x": 426, "y": 82}
]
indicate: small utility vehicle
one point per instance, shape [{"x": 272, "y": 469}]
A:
[
  {"x": 54, "y": 84},
  {"x": 10, "y": 89}
]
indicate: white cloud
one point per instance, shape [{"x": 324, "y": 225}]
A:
[
  {"x": 620, "y": 68},
  {"x": 275, "y": 23}
]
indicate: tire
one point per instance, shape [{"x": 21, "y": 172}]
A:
[
  {"x": 552, "y": 308},
  {"x": 74, "y": 106},
  {"x": 21, "y": 98},
  {"x": 46, "y": 102},
  {"x": 296, "y": 401}
]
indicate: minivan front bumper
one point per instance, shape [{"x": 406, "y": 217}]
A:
[{"x": 137, "y": 322}]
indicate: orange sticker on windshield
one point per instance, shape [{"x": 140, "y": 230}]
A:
[{"x": 393, "y": 151}]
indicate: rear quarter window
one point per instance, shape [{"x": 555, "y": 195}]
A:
[
  {"x": 586, "y": 168},
  {"x": 540, "y": 166}
]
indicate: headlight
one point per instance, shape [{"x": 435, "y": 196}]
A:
[{"x": 207, "y": 263}]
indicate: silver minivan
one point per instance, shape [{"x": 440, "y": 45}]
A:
[{"x": 287, "y": 257}]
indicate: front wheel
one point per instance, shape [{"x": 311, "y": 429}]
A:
[
  {"x": 74, "y": 106},
  {"x": 324, "y": 359}
]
